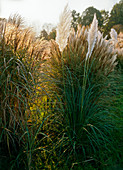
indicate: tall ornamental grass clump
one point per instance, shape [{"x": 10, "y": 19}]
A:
[
  {"x": 21, "y": 58},
  {"x": 81, "y": 68}
]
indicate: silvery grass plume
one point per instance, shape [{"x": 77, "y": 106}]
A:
[
  {"x": 92, "y": 36},
  {"x": 113, "y": 34},
  {"x": 102, "y": 59},
  {"x": 100, "y": 35},
  {"x": 63, "y": 28}
]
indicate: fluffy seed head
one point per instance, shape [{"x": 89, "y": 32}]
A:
[
  {"x": 63, "y": 28},
  {"x": 113, "y": 34},
  {"x": 92, "y": 36}
]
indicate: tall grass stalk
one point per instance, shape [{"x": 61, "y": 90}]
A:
[{"x": 92, "y": 35}]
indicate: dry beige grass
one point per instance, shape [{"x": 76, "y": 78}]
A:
[{"x": 20, "y": 38}]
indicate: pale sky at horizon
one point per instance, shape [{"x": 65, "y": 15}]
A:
[{"x": 38, "y": 12}]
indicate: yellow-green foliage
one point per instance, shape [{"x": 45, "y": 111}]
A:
[{"x": 41, "y": 107}]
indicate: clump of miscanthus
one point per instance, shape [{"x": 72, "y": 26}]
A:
[{"x": 22, "y": 57}]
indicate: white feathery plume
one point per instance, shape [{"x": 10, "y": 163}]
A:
[
  {"x": 113, "y": 34},
  {"x": 92, "y": 36},
  {"x": 63, "y": 28},
  {"x": 99, "y": 35},
  {"x": 114, "y": 57}
]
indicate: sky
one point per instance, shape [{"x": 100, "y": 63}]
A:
[{"x": 38, "y": 12}]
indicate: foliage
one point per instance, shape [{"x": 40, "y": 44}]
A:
[
  {"x": 46, "y": 36},
  {"x": 115, "y": 18},
  {"x": 60, "y": 108},
  {"x": 52, "y": 34},
  {"x": 48, "y": 32},
  {"x": 87, "y": 16},
  {"x": 116, "y": 14},
  {"x": 106, "y": 20},
  {"x": 105, "y": 15},
  {"x": 76, "y": 19}
]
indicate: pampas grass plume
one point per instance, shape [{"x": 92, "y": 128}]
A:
[
  {"x": 92, "y": 36},
  {"x": 63, "y": 28},
  {"x": 113, "y": 34}
]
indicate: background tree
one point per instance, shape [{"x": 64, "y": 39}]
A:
[
  {"x": 76, "y": 19},
  {"x": 105, "y": 15},
  {"x": 116, "y": 15},
  {"x": 115, "y": 19},
  {"x": 52, "y": 34},
  {"x": 106, "y": 20},
  {"x": 48, "y": 31},
  {"x": 88, "y": 15},
  {"x": 44, "y": 34}
]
